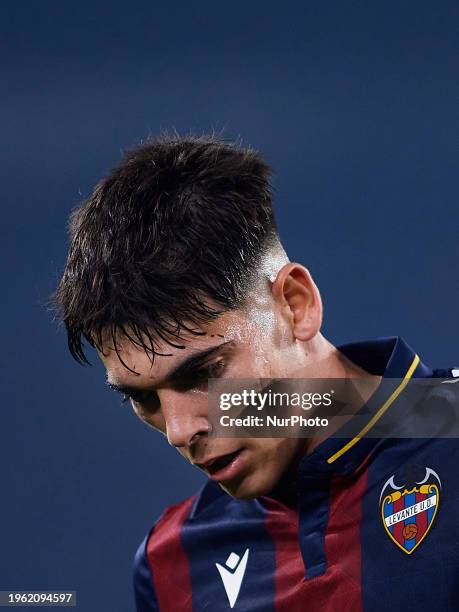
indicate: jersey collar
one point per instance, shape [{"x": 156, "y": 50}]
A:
[{"x": 389, "y": 357}]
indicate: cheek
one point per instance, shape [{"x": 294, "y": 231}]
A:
[
  {"x": 263, "y": 361},
  {"x": 267, "y": 351},
  {"x": 153, "y": 419}
]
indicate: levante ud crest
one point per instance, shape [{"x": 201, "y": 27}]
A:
[{"x": 408, "y": 508}]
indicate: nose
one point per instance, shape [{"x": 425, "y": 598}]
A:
[{"x": 185, "y": 417}]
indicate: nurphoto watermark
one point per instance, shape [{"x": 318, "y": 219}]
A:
[{"x": 340, "y": 407}]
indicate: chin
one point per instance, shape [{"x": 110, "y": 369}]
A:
[{"x": 247, "y": 490}]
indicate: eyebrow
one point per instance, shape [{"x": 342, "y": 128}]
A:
[{"x": 183, "y": 369}]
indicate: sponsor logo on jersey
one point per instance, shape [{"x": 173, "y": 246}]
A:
[{"x": 232, "y": 575}]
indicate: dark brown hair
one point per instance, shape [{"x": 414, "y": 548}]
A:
[{"x": 167, "y": 240}]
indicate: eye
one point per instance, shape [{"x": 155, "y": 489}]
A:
[
  {"x": 148, "y": 399},
  {"x": 212, "y": 370}
]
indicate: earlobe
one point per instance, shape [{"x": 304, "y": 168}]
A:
[{"x": 300, "y": 300}]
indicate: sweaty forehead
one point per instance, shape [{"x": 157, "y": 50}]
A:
[
  {"x": 129, "y": 356},
  {"x": 130, "y": 361}
]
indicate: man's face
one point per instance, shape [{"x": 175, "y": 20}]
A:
[{"x": 171, "y": 394}]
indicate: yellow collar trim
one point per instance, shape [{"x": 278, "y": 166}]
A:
[{"x": 390, "y": 400}]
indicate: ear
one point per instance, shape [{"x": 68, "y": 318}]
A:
[{"x": 299, "y": 299}]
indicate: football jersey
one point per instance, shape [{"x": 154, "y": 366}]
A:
[{"x": 375, "y": 526}]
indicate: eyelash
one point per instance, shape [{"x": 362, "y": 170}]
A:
[
  {"x": 210, "y": 371},
  {"x": 201, "y": 376}
]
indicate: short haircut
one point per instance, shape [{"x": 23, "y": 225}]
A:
[{"x": 168, "y": 240}]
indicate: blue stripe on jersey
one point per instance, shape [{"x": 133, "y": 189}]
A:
[
  {"x": 314, "y": 512},
  {"x": 209, "y": 537},
  {"x": 399, "y": 568},
  {"x": 410, "y": 500},
  {"x": 431, "y": 511}
]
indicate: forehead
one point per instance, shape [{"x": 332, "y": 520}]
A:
[{"x": 130, "y": 362}]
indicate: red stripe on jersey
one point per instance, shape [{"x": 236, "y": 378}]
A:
[
  {"x": 282, "y": 526},
  {"x": 340, "y": 587},
  {"x": 168, "y": 562},
  {"x": 342, "y": 544}
]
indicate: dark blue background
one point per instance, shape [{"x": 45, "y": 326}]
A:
[{"x": 355, "y": 104}]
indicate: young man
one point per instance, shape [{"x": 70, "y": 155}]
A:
[{"x": 175, "y": 275}]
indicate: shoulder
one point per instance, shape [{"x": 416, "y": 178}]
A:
[
  {"x": 166, "y": 526},
  {"x": 165, "y": 529},
  {"x": 163, "y": 543},
  {"x": 169, "y": 524},
  {"x": 428, "y": 419},
  {"x": 441, "y": 393}
]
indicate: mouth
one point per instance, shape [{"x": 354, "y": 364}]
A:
[{"x": 224, "y": 467}]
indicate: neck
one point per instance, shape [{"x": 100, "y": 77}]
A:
[
  {"x": 319, "y": 358},
  {"x": 324, "y": 360}
]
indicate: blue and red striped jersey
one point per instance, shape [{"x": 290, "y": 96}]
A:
[{"x": 359, "y": 538}]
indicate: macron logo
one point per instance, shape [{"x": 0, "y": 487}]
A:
[{"x": 232, "y": 578}]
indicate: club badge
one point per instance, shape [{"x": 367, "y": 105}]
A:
[{"x": 408, "y": 509}]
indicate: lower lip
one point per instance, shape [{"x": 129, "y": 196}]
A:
[{"x": 230, "y": 471}]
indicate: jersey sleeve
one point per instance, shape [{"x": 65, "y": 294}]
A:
[{"x": 144, "y": 593}]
